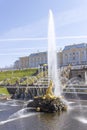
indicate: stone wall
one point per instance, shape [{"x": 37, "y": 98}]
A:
[{"x": 80, "y": 73}]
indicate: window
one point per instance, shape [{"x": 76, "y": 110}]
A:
[{"x": 73, "y": 56}]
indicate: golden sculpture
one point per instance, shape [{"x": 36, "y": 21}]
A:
[{"x": 49, "y": 92}]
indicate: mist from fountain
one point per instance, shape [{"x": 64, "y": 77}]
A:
[
  {"x": 86, "y": 77},
  {"x": 77, "y": 102},
  {"x": 53, "y": 73},
  {"x": 23, "y": 113}
]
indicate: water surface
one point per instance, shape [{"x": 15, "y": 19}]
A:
[{"x": 14, "y": 116}]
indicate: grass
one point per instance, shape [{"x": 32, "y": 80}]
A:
[
  {"x": 4, "y": 91},
  {"x": 17, "y": 73}
]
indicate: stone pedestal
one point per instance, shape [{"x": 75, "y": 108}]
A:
[{"x": 47, "y": 105}]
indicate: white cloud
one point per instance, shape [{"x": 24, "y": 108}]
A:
[
  {"x": 32, "y": 30},
  {"x": 39, "y": 28},
  {"x": 42, "y": 38},
  {"x": 75, "y": 15}
]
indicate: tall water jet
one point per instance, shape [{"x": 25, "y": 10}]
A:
[
  {"x": 86, "y": 77},
  {"x": 53, "y": 73}
]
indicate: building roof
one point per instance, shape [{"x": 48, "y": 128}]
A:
[
  {"x": 38, "y": 53},
  {"x": 81, "y": 45}
]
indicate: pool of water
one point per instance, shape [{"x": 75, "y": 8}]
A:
[{"x": 15, "y": 116}]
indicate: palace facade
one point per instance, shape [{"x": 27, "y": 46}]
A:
[{"x": 74, "y": 55}]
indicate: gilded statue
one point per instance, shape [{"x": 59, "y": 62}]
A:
[{"x": 49, "y": 92}]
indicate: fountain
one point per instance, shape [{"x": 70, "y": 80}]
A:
[
  {"x": 85, "y": 77},
  {"x": 51, "y": 101},
  {"x": 13, "y": 117},
  {"x": 52, "y": 56}
]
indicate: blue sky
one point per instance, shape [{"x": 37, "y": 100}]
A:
[{"x": 21, "y": 19}]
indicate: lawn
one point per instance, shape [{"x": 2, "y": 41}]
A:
[
  {"x": 4, "y": 91},
  {"x": 17, "y": 73}
]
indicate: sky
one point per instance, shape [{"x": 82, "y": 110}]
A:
[{"x": 24, "y": 26}]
